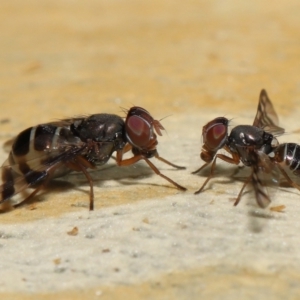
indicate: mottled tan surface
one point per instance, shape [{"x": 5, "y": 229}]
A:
[
  {"x": 191, "y": 61},
  {"x": 209, "y": 283}
]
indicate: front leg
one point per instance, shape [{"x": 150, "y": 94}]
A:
[
  {"x": 168, "y": 163},
  {"x": 232, "y": 160},
  {"x": 129, "y": 161}
]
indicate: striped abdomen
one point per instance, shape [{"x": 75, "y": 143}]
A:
[
  {"x": 34, "y": 152},
  {"x": 35, "y": 146},
  {"x": 288, "y": 154}
]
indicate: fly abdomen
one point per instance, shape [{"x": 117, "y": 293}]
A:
[
  {"x": 26, "y": 164},
  {"x": 44, "y": 137},
  {"x": 288, "y": 154},
  {"x": 8, "y": 188},
  {"x": 33, "y": 140},
  {"x": 33, "y": 146}
]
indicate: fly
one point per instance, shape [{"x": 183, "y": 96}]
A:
[
  {"x": 246, "y": 144},
  {"x": 51, "y": 150}
]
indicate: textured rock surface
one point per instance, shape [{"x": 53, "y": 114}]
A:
[{"x": 190, "y": 62}]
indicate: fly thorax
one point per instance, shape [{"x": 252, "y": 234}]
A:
[
  {"x": 119, "y": 141},
  {"x": 247, "y": 135},
  {"x": 99, "y": 127}
]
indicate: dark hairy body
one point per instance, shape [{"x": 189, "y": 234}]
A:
[{"x": 50, "y": 150}]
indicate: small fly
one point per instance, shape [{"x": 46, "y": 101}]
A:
[{"x": 247, "y": 144}]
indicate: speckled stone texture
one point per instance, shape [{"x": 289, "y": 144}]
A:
[{"x": 187, "y": 63}]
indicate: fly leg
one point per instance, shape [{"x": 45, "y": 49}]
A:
[
  {"x": 232, "y": 160},
  {"x": 241, "y": 191},
  {"x": 127, "y": 148},
  {"x": 136, "y": 158},
  {"x": 80, "y": 164},
  {"x": 168, "y": 163},
  {"x": 37, "y": 187},
  {"x": 32, "y": 194},
  {"x": 202, "y": 167},
  {"x": 288, "y": 179}
]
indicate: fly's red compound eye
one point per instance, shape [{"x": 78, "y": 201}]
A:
[
  {"x": 214, "y": 133},
  {"x": 138, "y": 127}
]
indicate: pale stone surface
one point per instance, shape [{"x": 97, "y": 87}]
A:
[{"x": 190, "y": 61}]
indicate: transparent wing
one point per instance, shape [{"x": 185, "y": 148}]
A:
[
  {"x": 16, "y": 185},
  {"x": 68, "y": 122},
  {"x": 8, "y": 144},
  {"x": 19, "y": 173},
  {"x": 265, "y": 174},
  {"x": 28, "y": 168},
  {"x": 266, "y": 117},
  {"x": 59, "y": 123}
]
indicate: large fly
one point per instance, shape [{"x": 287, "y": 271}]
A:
[{"x": 50, "y": 150}]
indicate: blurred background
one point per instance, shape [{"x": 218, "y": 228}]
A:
[{"x": 60, "y": 58}]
